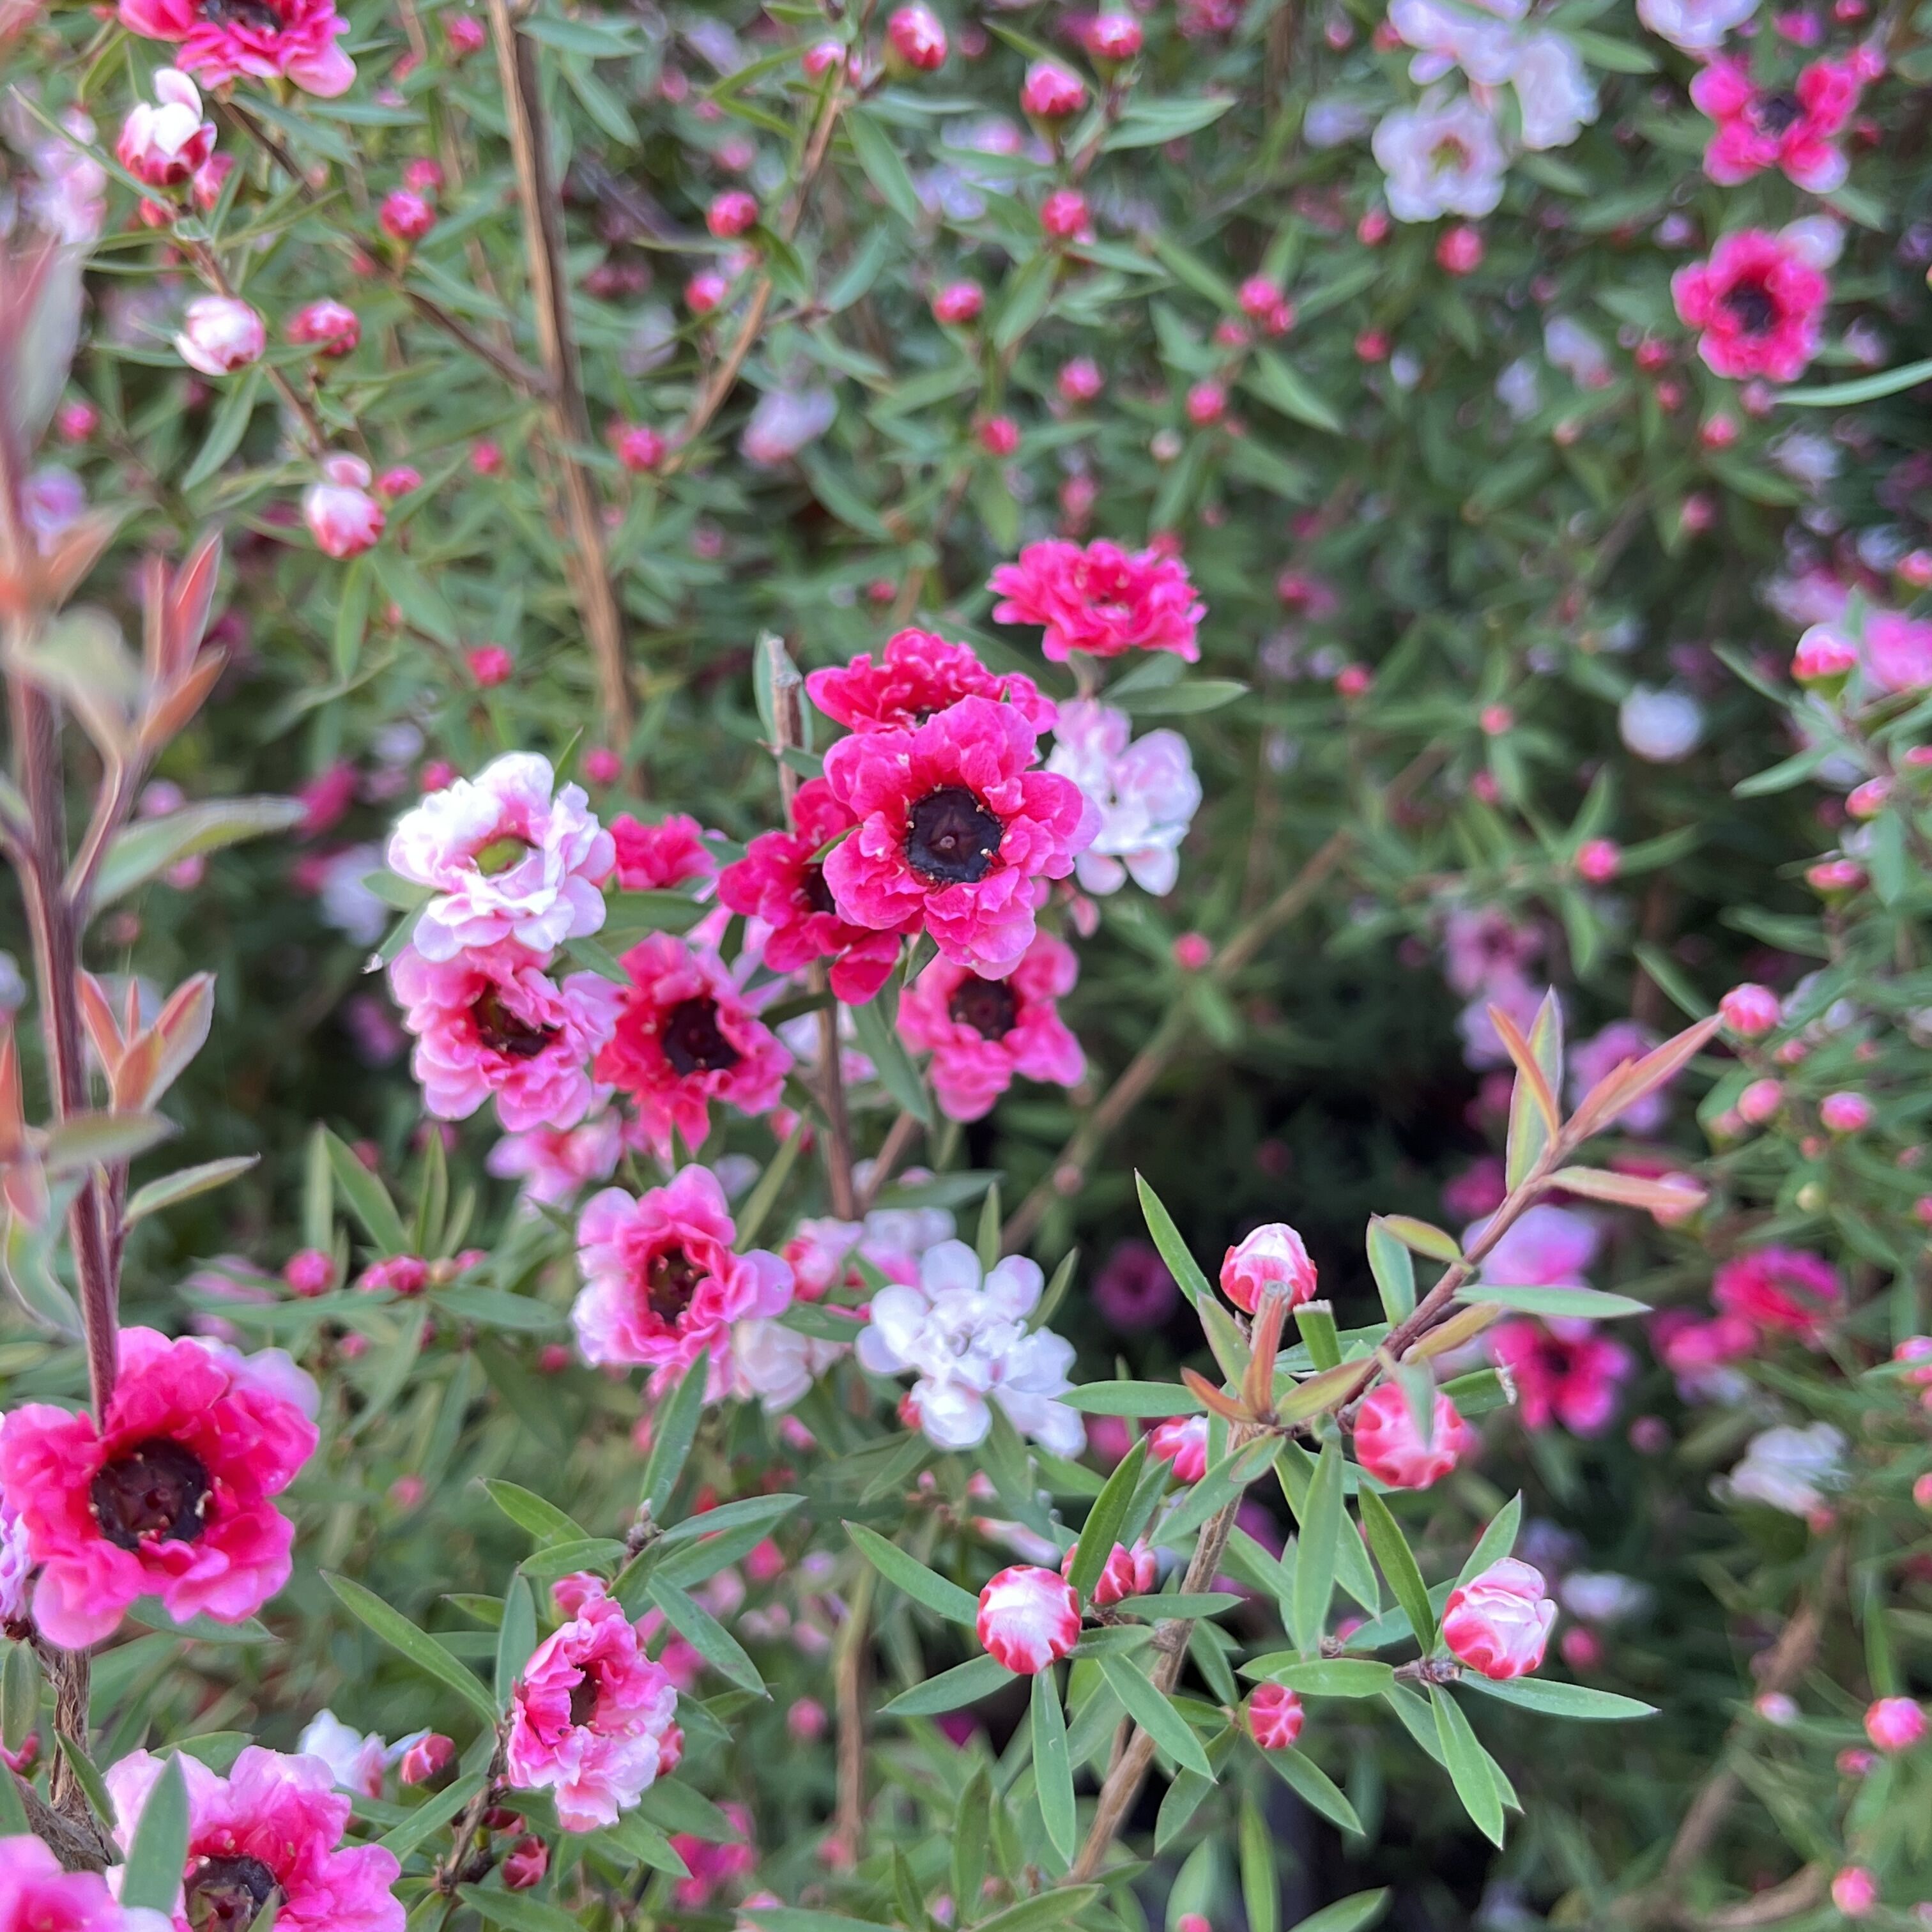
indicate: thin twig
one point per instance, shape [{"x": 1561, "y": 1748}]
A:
[
  {"x": 848, "y": 1823},
  {"x": 885, "y": 1163}
]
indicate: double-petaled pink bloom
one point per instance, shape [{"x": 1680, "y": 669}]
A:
[
  {"x": 982, "y": 1032},
  {"x": 592, "y": 1717},
  {"x": 662, "y": 1284},
  {"x": 36, "y": 1895},
  {"x": 1101, "y": 599},
  {"x": 1390, "y": 1446},
  {"x": 918, "y": 674},
  {"x": 658, "y": 858},
  {"x": 171, "y": 1495},
  {"x": 1498, "y": 1623},
  {"x": 263, "y": 39},
  {"x": 164, "y": 142},
  {"x": 1793, "y": 128},
  {"x": 1758, "y": 303}
]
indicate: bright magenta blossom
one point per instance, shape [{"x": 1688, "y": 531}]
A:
[
  {"x": 1781, "y": 1291},
  {"x": 918, "y": 674},
  {"x": 1102, "y": 600},
  {"x": 1793, "y": 128},
  {"x": 266, "y": 39},
  {"x": 1565, "y": 1372},
  {"x": 1760, "y": 304},
  {"x": 656, "y": 858}
]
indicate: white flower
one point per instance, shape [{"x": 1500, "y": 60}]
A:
[
  {"x": 355, "y": 1761},
  {"x": 1697, "y": 26},
  {"x": 219, "y": 335},
  {"x": 777, "y": 1364},
  {"x": 1602, "y": 1596},
  {"x": 1580, "y": 355},
  {"x": 1331, "y": 121},
  {"x": 1146, "y": 793},
  {"x": 1662, "y": 726},
  {"x": 507, "y": 860},
  {"x": 1440, "y": 158},
  {"x": 1554, "y": 98},
  {"x": 1787, "y": 1468},
  {"x": 1518, "y": 390},
  {"x": 1817, "y": 239},
  {"x": 783, "y": 422},
  {"x": 964, "y": 1335},
  {"x": 346, "y": 902}
]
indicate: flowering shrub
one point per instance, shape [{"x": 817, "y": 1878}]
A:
[{"x": 820, "y": 696}]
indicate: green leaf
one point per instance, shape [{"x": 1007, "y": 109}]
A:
[
  {"x": 1497, "y": 1540},
  {"x": 1351, "y": 1914},
  {"x": 1864, "y": 389},
  {"x": 87, "y": 1775},
  {"x": 13, "y": 1812},
  {"x": 1558, "y": 1699},
  {"x": 1044, "y": 1908},
  {"x": 1469, "y": 1765},
  {"x": 965, "y": 1683},
  {"x": 1151, "y": 1710},
  {"x": 20, "y": 1695},
  {"x": 1102, "y": 1529},
  {"x": 102, "y": 1140},
  {"x": 675, "y": 1806},
  {"x": 792, "y": 1918},
  {"x": 1584, "y": 1304},
  {"x": 701, "y": 1630},
  {"x": 492, "y": 1308},
  {"x": 226, "y": 429},
  {"x": 1195, "y": 695},
  {"x": 1314, "y": 1553},
  {"x": 516, "y": 1637},
  {"x": 923, "y": 1585},
  {"x": 674, "y": 1428},
  {"x": 1424, "y": 1237},
  {"x": 631, "y": 917},
  {"x": 184, "y": 1184},
  {"x": 517, "y": 1911},
  {"x": 1166, "y": 1237},
  {"x": 1398, "y": 1565},
  {"x": 879, "y": 1041},
  {"x": 152, "y": 1877},
  {"x": 1314, "y": 1787},
  {"x": 138, "y": 852},
  {"x": 431, "y": 1815},
  {"x": 1053, "y": 1769},
  {"x": 1271, "y": 379},
  {"x": 636, "y": 1838},
  {"x": 972, "y": 1834},
  {"x": 1142, "y": 1399},
  {"x": 529, "y": 1511},
  {"x": 1260, "y": 1891},
  {"x": 366, "y": 1197},
  {"x": 421, "y": 1649},
  {"x": 1150, "y": 124},
  {"x": 876, "y": 155},
  {"x": 1323, "y": 1676}
]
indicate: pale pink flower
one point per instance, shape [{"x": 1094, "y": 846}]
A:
[
  {"x": 219, "y": 335},
  {"x": 1482, "y": 1045},
  {"x": 1029, "y": 1619},
  {"x": 782, "y": 423},
  {"x": 356, "y": 1759},
  {"x": 1440, "y": 157},
  {"x": 554, "y": 1163},
  {"x": 1390, "y": 1446},
  {"x": 1484, "y": 945},
  {"x": 1272, "y": 1255},
  {"x": 1274, "y": 1716},
  {"x": 1183, "y": 1441},
  {"x": 506, "y": 859},
  {"x": 1543, "y": 1247},
  {"x": 1146, "y": 793},
  {"x": 1498, "y": 1623},
  {"x": 1897, "y": 651},
  {"x": 343, "y": 518},
  {"x": 164, "y": 142}
]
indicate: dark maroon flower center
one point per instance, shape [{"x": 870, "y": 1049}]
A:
[
  {"x": 988, "y": 1006},
  {"x": 225, "y": 1894},
  {"x": 502, "y": 1031},
  {"x": 817, "y": 893},
  {"x": 155, "y": 1493},
  {"x": 1774, "y": 113},
  {"x": 1751, "y": 307},
  {"x": 256, "y": 14},
  {"x": 693, "y": 1041},
  {"x": 584, "y": 1700},
  {"x": 952, "y": 839},
  {"x": 670, "y": 1282}
]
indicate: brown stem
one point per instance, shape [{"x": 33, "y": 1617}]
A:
[
  {"x": 848, "y": 1823},
  {"x": 210, "y": 269},
  {"x": 885, "y": 1163},
  {"x": 74, "y": 1838}
]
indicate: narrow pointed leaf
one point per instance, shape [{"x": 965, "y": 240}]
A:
[
  {"x": 1152, "y": 1712},
  {"x": 1469, "y": 1765},
  {"x": 1398, "y": 1565},
  {"x": 923, "y": 1585},
  {"x": 1314, "y": 1553},
  {"x": 418, "y": 1646},
  {"x": 1053, "y": 1769},
  {"x": 152, "y": 1877}
]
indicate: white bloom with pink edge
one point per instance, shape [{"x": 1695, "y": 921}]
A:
[
  {"x": 1498, "y": 1623},
  {"x": 1029, "y": 1619}
]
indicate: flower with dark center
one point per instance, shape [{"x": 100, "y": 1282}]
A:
[
  {"x": 989, "y": 1006},
  {"x": 227, "y": 1894},
  {"x": 503, "y": 1031},
  {"x": 1750, "y": 303},
  {"x": 693, "y": 1041},
  {"x": 818, "y": 894},
  {"x": 670, "y": 1283},
  {"x": 584, "y": 1700},
  {"x": 155, "y": 1492},
  {"x": 1775, "y": 112},
  {"x": 255, "y": 14},
  {"x": 952, "y": 838}
]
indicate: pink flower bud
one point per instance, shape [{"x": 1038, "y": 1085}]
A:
[
  {"x": 1354, "y": 681},
  {"x": 1127, "y": 1573},
  {"x": 76, "y": 421},
  {"x": 490, "y": 664},
  {"x": 1274, "y": 1716},
  {"x": 438, "y": 775},
  {"x": 1272, "y": 1256},
  {"x": 1921, "y": 1491},
  {"x": 423, "y": 176},
  {"x": 1775, "y": 1708},
  {"x": 329, "y": 327},
  {"x": 1823, "y": 656},
  {"x": 1854, "y": 1761},
  {"x": 398, "y": 480},
  {"x": 1582, "y": 1648},
  {"x": 1390, "y": 1447},
  {"x": 1063, "y": 215},
  {"x": 1372, "y": 230},
  {"x": 1718, "y": 432},
  {"x": 1111, "y": 38},
  {"x": 639, "y": 447},
  {"x": 1760, "y": 1101},
  {"x": 915, "y": 39},
  {"x": 602, "y": 766},
  {"x": 1182, "y": 1441},
  {"x": 1498, "y": 1623},
  {"x": 553, "y": 1358},
  {"x": 1193, "y": 1921},
  {"x": 1372, "y": 345},
  {"x": 464, "y": 34},
  {"x": 1495, "y": 720},
  {"x": 428, "y": 1757},
  {"x": 705, "y": 291},
  {"x": 1051, "y": 93},
  {"x": 309, "y": 1272},
  {"x": 1259, "y": 297},
  {"x": 1080, "y": 380},
  {"x": 341, "y": 515},
  {"x": 163, "y": 143},
  {"x": 220, "y": 335},
  {"x": 1845, "y": 1113},
  {"x": 1895, "y": 1724},
  {"x": 958, "y": 303},
  {"x": 1598, "y": 861},
  {"x": 1029, "y": 1618},
  {"x": 1915, "y": 569},
  {"x": 1749, "y": 1010},
  {"x": 486, "y": 458},
  {"x": 405, "y": 216},
  {"x": 1835, "y": 875},
  {"x": 1459, "y": 250},
  {"x": 821, "y": 57},
  {"x": 208, "y": 180},
  {"x": 1868, "y": 800},
  {"x": 806, "y": 1719},
  {"x": 732, "y": 214},
  {"x": 999, "y": 436},
  {"x": 1855, "y": 1892},
  {"x": 525, "y": 1863},
  {"x": 1207, "y": 404}
]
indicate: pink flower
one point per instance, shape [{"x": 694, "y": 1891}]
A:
[
  {"x": 554, "y": 1163},
  {"x": 1111, "y": 36},
  {"x": 1102, "y": 600},
  {"x": 1127, "y": 1573},
  {"x": 1486, "y": 945},
  {"x": 713, "y": 1866},
  {"x": 657, "y": 858},
  {"x": 430, "y": 1756},
  {"x": 1498, "y": 1623},
  {"x": 1272, "y": 1256},
  {"x": 1781, "y": 1291},
  {"x": 705, "y": 291},
  {"x": 1895, "y": 1723},
  {"x": 170, "y": 1496},
  {"x": 1759, "y": 304},
  {"x": 1598, "y": 861},
  {"x": 1543, "y": 1247},
  {"x": 398, "y": 481},
  {"x": 1274, "y": 1716},
  {"x": 526, "y": 1863},
  {"x": 273, "y": 1827},
  {"x": 405, "y": 216},
  {"x": 507, "y": 860},
  {"x": 982, "y": 1032},
  {"x": 331, "y": 327},
  {"x": 1459, "y": 251},
  {"x": 954, "y": 828},
  {"x": 219, "y": 42},
  {"x": 1029, "y": 1619},
  {"x": 309, "y": 1272},
  {"x": 781, "y": 881},
  {"x": 1183, "y": 1441},
  {"x": 1792, "y": 129},
  {"x": 36, "y": 1895},
  {"x": 685, "y": 1037},
  {"x": 1897, "y": 651},
  {"x": 489, "y": 665},
  {"x": 589, "y": 1715},
  {"x": 919, "y": 674},
  {"x": 639, "y": 447},
  {"x": 662, "y": 1284},
  {"x": 341, "y": 515},
  {"x": 162, "y": 142},
  {"x": 492, "y": 1021},
  {"x": 1591, "y": 1060},
  {"x": 914, "y": 36},
  {"x": 958, "y": 303},
  {"x": 999, "y": 436},
  {"x": 1845, "y": 1113},
  {"x": 1855, "y": 1892},
  {"x": 1063, "y": 215},
  {"x": 1750, "y": 1011},
  {"x": 1079, "y": 381},
  {"x": 1694, "y": 1350},
  {"x": 732, "y": 214},
  {"x": 1051, "y": 92},
  {"x": 1389, "y": 1445},
  {"x": 220, "y": 335},
  {"x": 1564, "y": 1371}
]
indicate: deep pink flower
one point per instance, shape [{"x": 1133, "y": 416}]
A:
[
  {"x": 1063, "y": 215},
  {"x": 638, "y": 447},
  {"x": 657, "y": 858},
  {"x": 662, "y": 1286},
  {"x": 1127, "y": 1573},
  {"x": 341, "y": 515},
  {"x": 1029, "y": 1618},
  {"x": 171, "y": 1495},
  {"x": 1272, "y": 1256},
  {"x": 918, "y": 674},
  {"x": 1101, "y": 599},
  {"x": 328, "y": 326},
  {"x": 958, "y": 303},
  {"x": 1498, "y": 1623},
  {"x": 1759, "y": 304},
  {"x": 712, "y": 1865},
  {"x": 1182, "y": 1440},
  {"x": 732, "y": 214},
  {"x": 489, "y": 665},
  {"x": 1052, "y": 92},
  {"x": 465, "y": 34},
  {"x": 273, "y": 1827},
  {"x": 162, "y": 142},
  {"x": 914, "y": 37},
  {"x": 782, "y": 880},
  {"x": 405, "y": 216},
  {"x": 1694, "y": 1349},
  {"x": 1274, "y": 1716},
  {"x": 1390, "y": 1447},
  {"x": 1897, "y": 651},
  {"x": 954, "y": 828},
  {"x": 981, "y": 1032},
  {"x": 589, "y": 1716},
  {"x": 999, "y": 436},
  {"x": 685, "y": 1037},
  {"x": 1750, "y": 1011},
  {"x": 492, "y": 1021},
  {"x": 1788, "y": 128},
  {"x": 1781, "y": 1291},
  {"x": 219, "y": 42},
  {"x": 309, "y": 1272},
  {"x": 1565, "y": 1372},
  {"x": 36, "y": 1895}
]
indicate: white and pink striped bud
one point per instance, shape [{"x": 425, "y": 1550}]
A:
[
  {"x": 343, "y": 518},
  {"x": 1498, "y": 1623},
  {"x": 1127, "y": 1573},
  {"x": 329, "y": 328},
  {"x": 1272, "y": 1255},
  {"x": 219, "y": 335},
  {"x": 1390, "y": 1447},
  {"x": 164, "y": 141},
  {"x": 1029, "y": 1619}
]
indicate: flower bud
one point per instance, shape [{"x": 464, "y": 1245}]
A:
[
  {"x": 733, "y": 213},
  {"x": 999, "y": 436},
  {"x": 330, "y": 327},
  {"x": 220, "y": 335},
  {"x": 1183, "y": 1441},
  {"x": 1868, "y": 800},
  {"x": 1390, "y": 1447},
  {"x": 405, "y": 216},
  {"x": 309, "y": 1272},
  {"x": 1272, "y": 1256},
  {"x": 341, "y": 515},
  {"x": 490, "y": 665},
  {"x": 1029, "y": 1618},
  {"x": 1760, "y": 1101},
  {"x": 162, "y": 142},
  {"x": 525, "y": 1863},
  {"x": 1051, "y": 93},
  {"x": 639, "y": 447},
  {"x": 705, "y": 291},
  {"x": 915, "y": 40},
  {"x": 1193, "y": 951},
  {"x": 1824, "y": 657},
  {"x": 958, "y": 303},
  {"x": 1845, "y": 1113},
  {"x": 1080, "y": 380},
  {"x": 1749, "y": 1010},
  {"x": 1460, "y": 250},
  {"x": 1895, "y": 1724},
  {"x": 1063, "y": 214},
  {"x": 1855, "y": 1892},
  {"x": 464, "y": 33},
  {"x": 1598, "y": 861},
  {"x": 1274, "y": 1716},
  {"x": 428, "y": 1757},
  {"x": 1112, "y": 39},
  {"x": 1127, "y": 1573},
  {"x": 1498, "y": 1623}
]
